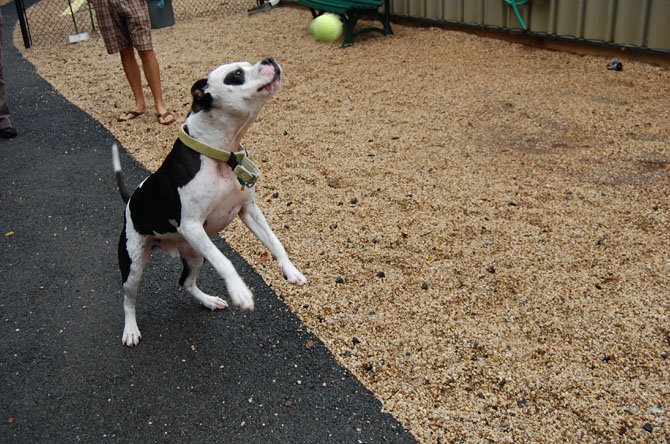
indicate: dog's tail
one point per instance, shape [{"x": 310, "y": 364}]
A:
[{"x": 116, "y": 161}]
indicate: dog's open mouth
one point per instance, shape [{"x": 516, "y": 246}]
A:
[{"x": 271, "y": 86}]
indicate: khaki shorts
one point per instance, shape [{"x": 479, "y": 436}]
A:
[{"x": 123, "y": 24}]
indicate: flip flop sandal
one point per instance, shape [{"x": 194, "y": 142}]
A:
[
  {"x": 167, "y": 117},
  {"x": 133, "y": 115}
]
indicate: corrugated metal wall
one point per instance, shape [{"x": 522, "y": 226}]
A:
[{"x": 641, "y": 23}]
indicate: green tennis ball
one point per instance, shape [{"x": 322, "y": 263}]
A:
[{"x": 326, "y": 27}]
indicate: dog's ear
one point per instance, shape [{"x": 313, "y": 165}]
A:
[{"x": 202, "y": 101}]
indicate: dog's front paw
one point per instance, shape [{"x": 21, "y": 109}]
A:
[
  {"x": 241, "y": 296},
  {"x": 293, "y": 275},
  {"x": 214, "y": 303},
  {"x": 131, "y": 336}
]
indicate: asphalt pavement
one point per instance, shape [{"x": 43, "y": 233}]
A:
[{"x": 197, "y": 376}]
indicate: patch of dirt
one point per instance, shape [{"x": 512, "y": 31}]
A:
[{"x": 499, "y": 216}]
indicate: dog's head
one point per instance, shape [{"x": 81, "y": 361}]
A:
[{"x": 237, "y": 88}]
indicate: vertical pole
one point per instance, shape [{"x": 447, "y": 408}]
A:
[
  {"x": 25, "y": 32},
  {"x": 90, "y": 14},
  {"x": 387, "y": 18},
  {"x": 76, "y": 31}
]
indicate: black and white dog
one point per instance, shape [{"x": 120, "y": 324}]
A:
[{"x": 203, "y": 184}]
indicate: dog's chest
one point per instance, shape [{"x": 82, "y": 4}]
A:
[{"x": 215, "y": 196}]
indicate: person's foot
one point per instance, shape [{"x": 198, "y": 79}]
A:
[
  {"x": 8, "y": 133},
  {"x": 166, "y": 118},
  {"x": 129, "y": 115}
]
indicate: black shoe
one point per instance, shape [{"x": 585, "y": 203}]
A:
[{"x": 8, "y": 133}]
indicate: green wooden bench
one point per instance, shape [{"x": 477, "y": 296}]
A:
[{"x": 351, "y": 11}]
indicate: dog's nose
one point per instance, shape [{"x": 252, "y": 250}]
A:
[{"x": 270, "y": 61}]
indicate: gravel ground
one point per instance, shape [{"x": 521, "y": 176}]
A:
[{"x": 485, "y": 226}]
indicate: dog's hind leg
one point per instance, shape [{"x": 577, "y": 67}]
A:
[
  {"x": 192, "y": 265},
  {"x": 131, "y": 332},
  {"x": 131, "y": 261}
]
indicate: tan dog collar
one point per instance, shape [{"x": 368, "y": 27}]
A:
[{"x": 246, "y": 171}]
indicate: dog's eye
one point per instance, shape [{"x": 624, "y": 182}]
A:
[{"x": 235, "y": 78}]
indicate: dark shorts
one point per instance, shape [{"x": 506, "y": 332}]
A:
[{"x": 123, "y": 24}]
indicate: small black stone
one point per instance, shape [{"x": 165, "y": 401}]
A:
[
  {"x": 381, "y": 275},
  {"x": 654, "y": 207},
  {"x": 522, "y": 403},
  {"x": 622, "y": 431},
  {"x": 339, "y": 280},
  {"x": 607, "y": 358},
  {"x": 664, "y": 355},
  {"x": 355, "y": 341},
  {"x": 599, "y": 287},
  {"x": 491, "y": 269},
  {"x": 275, "y": 195},
  {"x": 424, "y": 286},
  {"x": 648, "y": 427},
  {"x": 333, "y": 226},
  {"x": 353, "y": 201},
  {"x": 369, "y": 367}
]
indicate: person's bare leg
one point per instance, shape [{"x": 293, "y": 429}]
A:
[
  {"x": 153, "y": 76},
  {"x": 132, "y": 70}
]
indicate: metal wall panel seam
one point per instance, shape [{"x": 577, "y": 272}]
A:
[
  {"x": 552, "y": 16},
  {"x": 611, "y": 20},
  {"x": 644, "y": 23},
  {"x": 504, "y": 14},
  {"x": 581, "y": 17}
]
